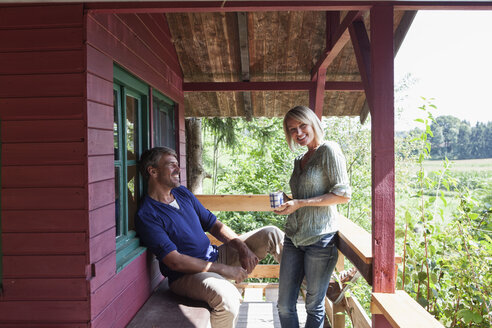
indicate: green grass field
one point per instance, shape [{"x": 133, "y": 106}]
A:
[
  {"x": 474, "y": 174},
  {"x": 465, "y": 165}
]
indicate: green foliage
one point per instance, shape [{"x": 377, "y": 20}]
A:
[
  {"x": 447, "y": 262},
  {"x": 443, "y": 217}
]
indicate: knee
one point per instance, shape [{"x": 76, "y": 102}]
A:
[
  {"x": 274, "y": 235},
  {"x": 227, "y": 300},
  {"x": 276, "y": 241},
  {"x": 274, "y": 231},
  {"x": 314, "y": 307},
  {"x": 225, "y": 313},
  {"x": 285, "y": 308},
  {"x": 230, "y": 307}
]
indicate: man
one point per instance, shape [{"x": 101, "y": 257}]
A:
[{"x": 171, "y": 222}]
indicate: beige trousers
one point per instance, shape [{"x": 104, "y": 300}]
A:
[{"x": 220, "y": 294}]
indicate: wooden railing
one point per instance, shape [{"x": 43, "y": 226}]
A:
[{"x": 356, "y": 245}]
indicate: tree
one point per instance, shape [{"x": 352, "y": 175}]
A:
[
  {"x": 464, "y": 134},
  {"x": 195, "y": 172},
  {"x": 479, "y": 141},
  {"x": 450, "y": 128}
]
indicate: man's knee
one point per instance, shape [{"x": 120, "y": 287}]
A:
[
  {"x": 225, "y": 306},
  {"x": 225, "y": 295},
  {"x": 272, "y": 234}
]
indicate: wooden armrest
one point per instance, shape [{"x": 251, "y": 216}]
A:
[{"x": 402, "y": 311}]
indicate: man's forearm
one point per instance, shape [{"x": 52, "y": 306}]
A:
[
  {"x": 227, "y": 236},
  {"x": 223, "y": 232},
  {"x": 187, "y": 264}
]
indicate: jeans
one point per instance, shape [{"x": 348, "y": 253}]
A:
[{"x": 314, "y": 262}]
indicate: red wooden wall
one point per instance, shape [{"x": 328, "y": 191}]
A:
[
  {"x": 44, "y": 170},
  {"x": 141, "y": 44},
  {"x": 57, "y": 175}
]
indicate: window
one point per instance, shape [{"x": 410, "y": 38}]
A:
[
  {"x": 131, "y": 131},
  {"x": 131, "y": 136},
  {"x": 163, "y": 116}
]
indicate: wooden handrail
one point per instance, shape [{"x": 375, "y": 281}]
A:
[
  {"x": 402, "y": 311},
  {"x": 354, "y": 242}
]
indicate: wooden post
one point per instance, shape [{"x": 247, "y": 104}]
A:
[
  {"x": 317, "y": 93},
  {"x": 383, "y": 166}
]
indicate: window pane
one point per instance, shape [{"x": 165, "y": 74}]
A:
[
  {"x": 118, "y": 200},
  {"x": 163, "y": 124},
  {"x": 133, "y": 194},
  {"x": 131, "y": 127},
  {"x": 115, "y": 125}
]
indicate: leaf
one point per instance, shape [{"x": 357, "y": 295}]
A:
[
  {"x": 422, "y": 276},
  {"x": 469, "y": 316},
  {"x": 434, "y": 277},
  {"x": 423, "y": 301},
  {"x": 408, "y": 217}
]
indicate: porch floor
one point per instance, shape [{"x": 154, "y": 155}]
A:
[
  {"x": 260, "y": 311},
  {"x": 165, "y": 309}
]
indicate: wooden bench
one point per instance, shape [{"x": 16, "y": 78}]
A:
[
  {"x": 166, "y": 309},
  {"x": 402, "y": 311}
]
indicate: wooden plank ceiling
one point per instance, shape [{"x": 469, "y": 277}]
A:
[{"x": 282, "y": 46}]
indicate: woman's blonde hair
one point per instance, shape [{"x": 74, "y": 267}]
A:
[{"x": 307, "y": 116}]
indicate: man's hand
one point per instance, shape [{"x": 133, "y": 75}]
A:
[
  {"x": 235, "y": 273},
  {"x": 247, "y": 258}
]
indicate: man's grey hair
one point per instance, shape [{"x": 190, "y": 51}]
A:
[{"x": 151, "y": 157}]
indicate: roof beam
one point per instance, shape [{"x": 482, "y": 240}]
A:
[
  {"x": 242, "y": 23},
  {"x": 317, "y": 93},
  {"x": 363, "y": 56},
  {"x": 268, "y": 86},
  {"x": 362, "y": 49},
  {"x": 341, "y": 37},
  {"x": 257, "y": 6},
  {"x": 403, "y": 27},
  {"x": 336, "y": 37}
]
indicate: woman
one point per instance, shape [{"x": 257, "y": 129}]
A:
[{"x": 318, "y": 183}]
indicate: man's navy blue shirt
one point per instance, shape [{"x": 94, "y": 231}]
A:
[{"x": 163, "y": 229}]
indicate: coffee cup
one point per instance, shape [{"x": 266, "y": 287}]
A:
[{"x": 276, "y": 199}]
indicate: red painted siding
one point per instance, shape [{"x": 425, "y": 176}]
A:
[
  {"x": 56, "y": 116},
  {"x": 44, "y": 167},
  {"x": 137, "y": 43}
]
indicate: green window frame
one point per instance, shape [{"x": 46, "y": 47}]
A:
[
  {"x": 131, "y": 137},
  {"x": 163, "y": 112}
]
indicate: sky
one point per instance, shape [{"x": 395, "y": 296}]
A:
[{"x": 449, "y": 55}]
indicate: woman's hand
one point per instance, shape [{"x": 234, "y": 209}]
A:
[{"x": 288, "y": 207}]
